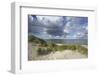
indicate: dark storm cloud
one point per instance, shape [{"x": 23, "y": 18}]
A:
[
  {"x": 52, "y": 28},
  {"x": 34, "y": 26},
  {"x": 58, "y": 26},
  {"x": 55, "y": 32},
  {"x": 55, "y": 29}
]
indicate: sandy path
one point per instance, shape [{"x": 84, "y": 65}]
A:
[{"x": 67, "y": 54}]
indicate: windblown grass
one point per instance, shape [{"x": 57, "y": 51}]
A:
[
  {"x": 44, "y": 47},
  {"x": 53, "y": 48}
]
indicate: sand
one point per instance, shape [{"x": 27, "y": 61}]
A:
[{"x": 66, "y": 54}]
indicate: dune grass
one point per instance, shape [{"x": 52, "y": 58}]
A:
[
  {"x": 45, "y": 47},
  {"x": 53, "y": 48}
]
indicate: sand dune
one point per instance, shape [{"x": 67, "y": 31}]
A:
[{"x": 67, "y": 54}]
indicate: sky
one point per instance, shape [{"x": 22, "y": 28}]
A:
[{"x": 58, "y": 27}]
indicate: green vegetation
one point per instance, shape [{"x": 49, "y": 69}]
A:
[
  {"x": 48, "y": 47},
  {"x": 36, "y": 40},
  {"x": 68, "y": 47},
  {"x": 82, "y": 49},
  {"x": 44, "y": 51}
]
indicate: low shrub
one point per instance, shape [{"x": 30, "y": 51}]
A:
[
  {"x": 82, "y": 49},
  {"x": 54, "y": 48}
]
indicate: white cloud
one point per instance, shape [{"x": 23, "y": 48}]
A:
[
  {"x": 67, "y": 28},
  {"x": 57, "y": 36},
  {"x": 49, "y": 19},
  {"x": 59, "y": 27},
  {"x": 80, "y": 35},
  {"x": 31, "y": 18},
  {"x": 86, "y": 28}
]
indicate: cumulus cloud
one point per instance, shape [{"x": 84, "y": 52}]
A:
[
  {"x": 53, "y": 25},
  {"x": 58, "y": 26},
  {"x": 77, "y": 27}
]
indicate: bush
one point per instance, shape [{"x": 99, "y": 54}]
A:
[
  {"x": 53, "y": 48},
  {"x": 44, "y": 51},
  {"x": 68, "y": 47},
  {"x": 73, "y": 47},
  {"x": 82, "y": 49}
]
